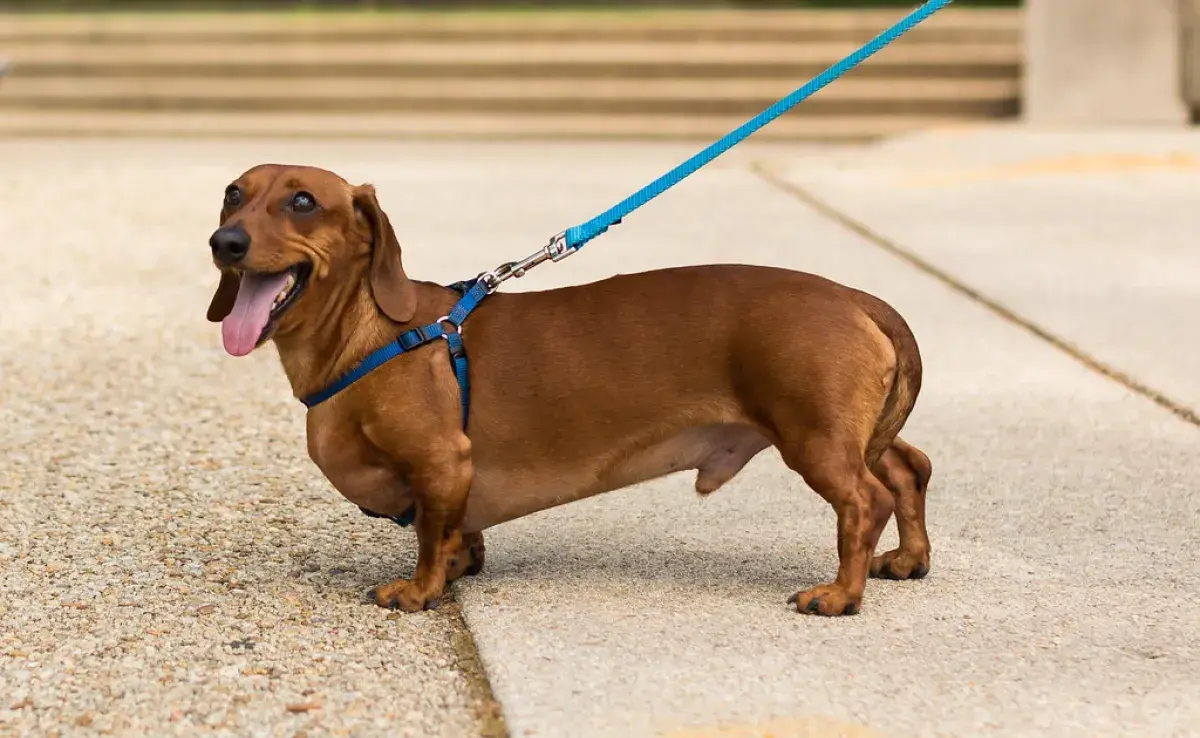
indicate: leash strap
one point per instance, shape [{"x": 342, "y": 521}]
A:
[
  {"x": 579, "y": 235},
  {"x": 564, "y": 244}
]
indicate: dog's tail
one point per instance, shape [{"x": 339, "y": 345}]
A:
[{"x": 906, "y": 384}]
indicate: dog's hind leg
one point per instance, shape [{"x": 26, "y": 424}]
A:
[
  {"x": 835, "y": 469},
  {"x": 905, "y": 470}
]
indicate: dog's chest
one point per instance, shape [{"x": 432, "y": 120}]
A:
[
  {"x": 374, "y": 488},
  {"x": 367, "y": 482}
]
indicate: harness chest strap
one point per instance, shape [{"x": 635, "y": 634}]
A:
[{"x": 472, "y": 292}]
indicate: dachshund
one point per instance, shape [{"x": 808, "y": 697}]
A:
[{"x": 573, "y": 391}]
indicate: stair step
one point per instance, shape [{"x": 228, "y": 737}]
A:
[
  {"x": 968, "y": 25},
  {"x": 634, "y": 60},
  {"x": 663, "y": 96},
  {"x": 693, "y": 74},
  {"x": 435, "y": 126}
]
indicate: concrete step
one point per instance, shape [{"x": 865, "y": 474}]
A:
[
  {"x": 744, "y": 97},
  {"x": 790, "y": 127},
  {"x": 962, "y": 25},
  {"x": 628, "y": 74},
  {"x": 309, "y": 62},
  {"x": 501, "y": 59}
]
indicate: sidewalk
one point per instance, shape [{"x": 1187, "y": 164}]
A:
[{"x": 1063, "y": 507}]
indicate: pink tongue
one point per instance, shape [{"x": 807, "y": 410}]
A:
[{"x": 244, "y": 324}]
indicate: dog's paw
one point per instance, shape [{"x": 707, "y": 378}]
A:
[
  {"x": 468, "y": 561},
  {"x": 827, "y": 599},
  {"x": 405, "y": 595},
  {"x": 476, "y": 552},
  {"x": 899, "y": 565}
]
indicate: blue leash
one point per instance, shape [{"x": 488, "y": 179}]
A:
[
  {"x": 564, "y": 244},
  {"x": 579, "y": 235}
]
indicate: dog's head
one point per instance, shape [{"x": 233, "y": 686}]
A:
[{"x": 290, "y": 238}]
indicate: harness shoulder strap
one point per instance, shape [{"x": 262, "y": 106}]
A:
[{"x": 472, "y": 294}]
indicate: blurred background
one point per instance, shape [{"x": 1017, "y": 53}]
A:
[{"x": 442, "y": 68}]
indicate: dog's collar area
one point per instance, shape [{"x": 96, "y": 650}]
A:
[{"x": 472, "y": 291}]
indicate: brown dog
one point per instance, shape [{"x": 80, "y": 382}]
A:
[{"x": 574, "y": 391}]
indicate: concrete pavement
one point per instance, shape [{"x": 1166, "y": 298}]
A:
[
  {"x": 1092, "y": 234},
  {"x": 1063, "y": 513},
  {"x": 1063, "y": 507}
]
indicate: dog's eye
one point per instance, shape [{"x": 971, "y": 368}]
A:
[
  {"x": 233, "y": 198},
  {"x": 303, "y": 202}
]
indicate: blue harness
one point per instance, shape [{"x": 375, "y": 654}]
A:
[
  {"x": 472, "y": 292},
  {"x": 566, "y": 243}
]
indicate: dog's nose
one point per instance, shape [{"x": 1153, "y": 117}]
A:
[{"x": 230, "y": 245}]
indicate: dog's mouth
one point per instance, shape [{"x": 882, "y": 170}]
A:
[{"x": 262, "y": 299}]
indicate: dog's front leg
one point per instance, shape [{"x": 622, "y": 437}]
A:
[{"x": 441, "y": 486}]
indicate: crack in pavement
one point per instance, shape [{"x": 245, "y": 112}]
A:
[{"x": 892, "y": 247}]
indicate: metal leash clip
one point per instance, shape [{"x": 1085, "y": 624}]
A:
[{"x": 556, "y": 250}]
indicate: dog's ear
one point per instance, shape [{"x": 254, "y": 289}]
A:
[
  {"x": 224, "y": 298},
  {"x": 390, "y": 286}
]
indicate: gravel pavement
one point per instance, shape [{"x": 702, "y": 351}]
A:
[{"x": 172, "y": 562}]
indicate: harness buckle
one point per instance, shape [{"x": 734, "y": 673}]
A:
[{"x": 455, "y": 345}]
